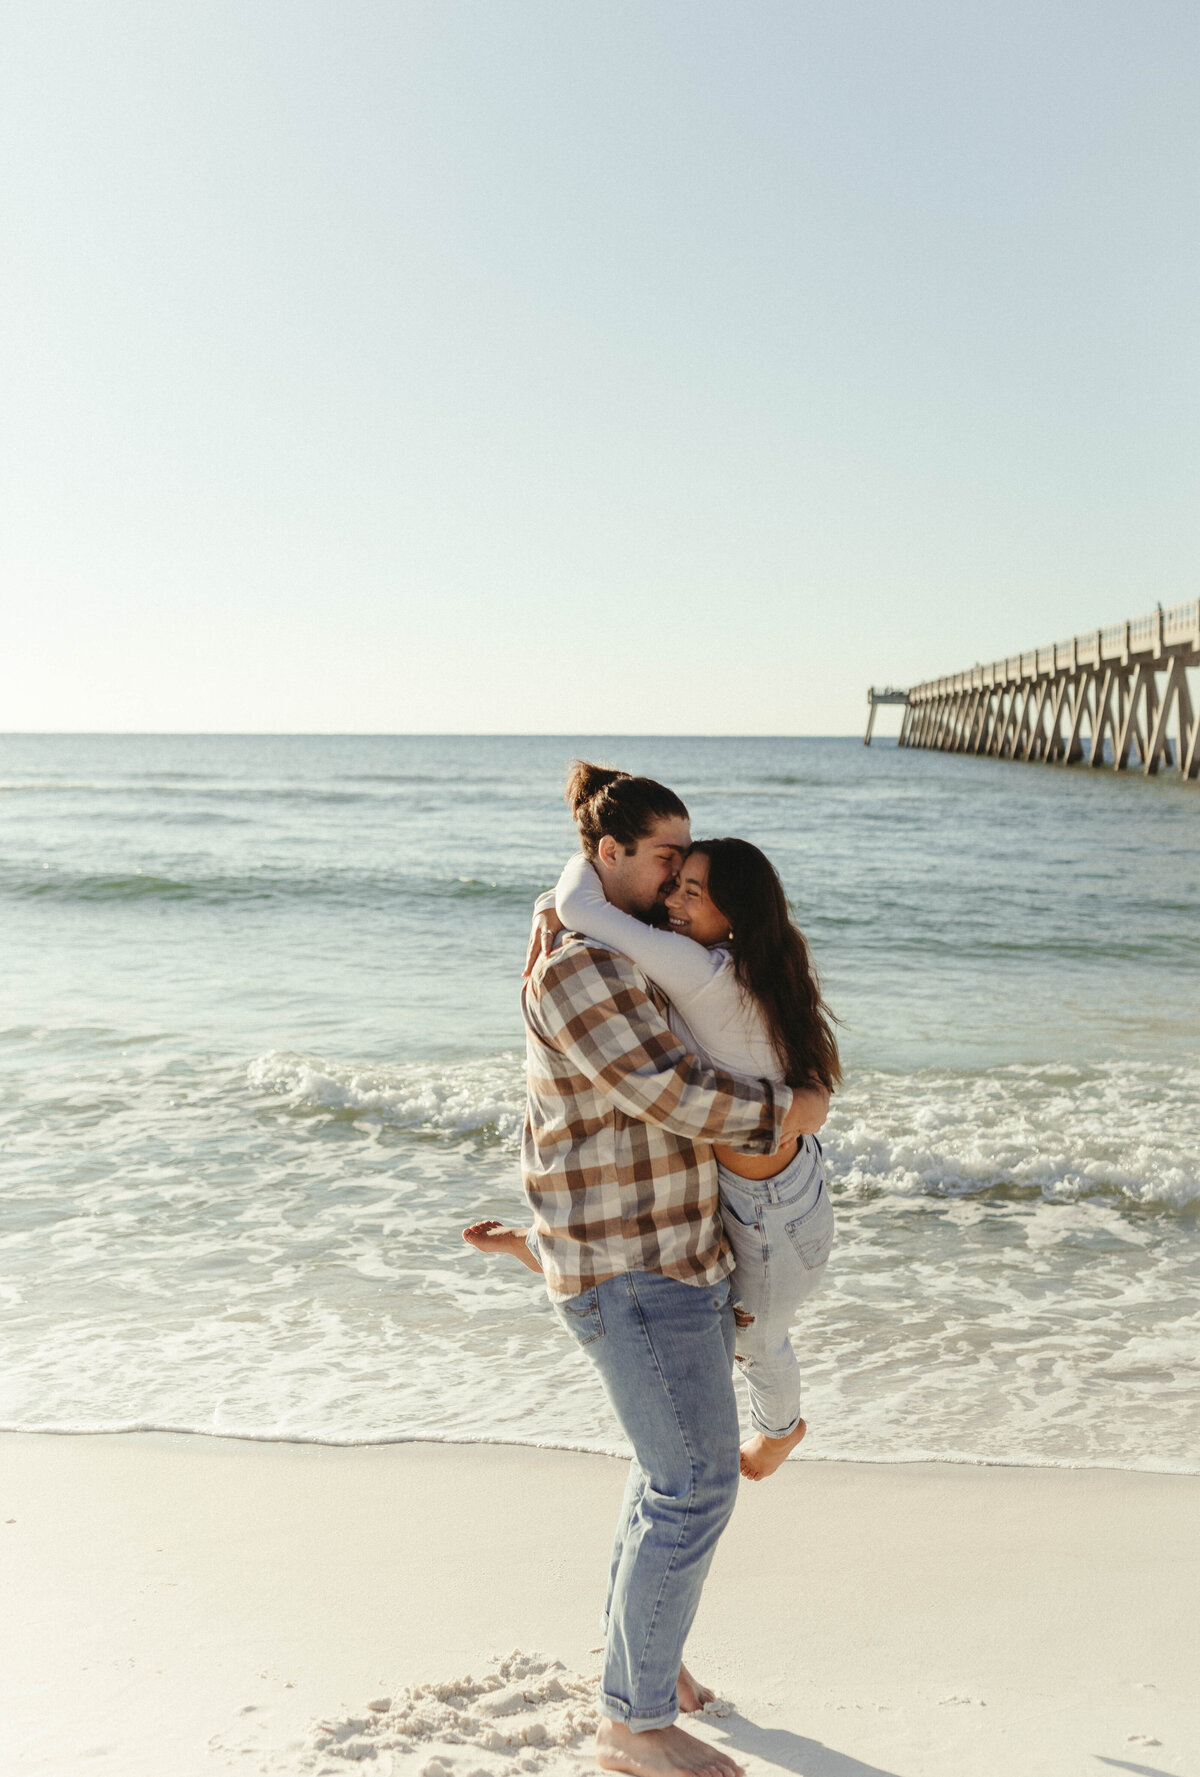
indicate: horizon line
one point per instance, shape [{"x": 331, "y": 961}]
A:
[{"x": 391, "y": 734}]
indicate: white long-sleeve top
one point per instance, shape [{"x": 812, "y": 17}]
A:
[{"x": 711, "y": 1012}]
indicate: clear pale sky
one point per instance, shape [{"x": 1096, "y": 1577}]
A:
[{"x": 579, "y": 366}]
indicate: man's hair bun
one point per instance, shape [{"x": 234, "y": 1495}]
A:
[
  {"x": 611, "y": 803},
  {"x": 585, "y": 780}
]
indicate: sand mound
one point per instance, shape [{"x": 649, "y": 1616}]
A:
[{"x": 523, "y": 1713}]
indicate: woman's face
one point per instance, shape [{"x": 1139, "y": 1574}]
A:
[{"x": 692, "y": 910}]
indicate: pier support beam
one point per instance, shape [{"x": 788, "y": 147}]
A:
[{"x": 885, "y": 694}]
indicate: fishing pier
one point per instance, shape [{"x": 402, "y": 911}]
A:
[{"x": 1124, "y": 688}]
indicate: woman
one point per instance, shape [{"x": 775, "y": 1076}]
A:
[{"x": 744, "y": 999}]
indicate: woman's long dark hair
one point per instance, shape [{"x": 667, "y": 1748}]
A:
[{"x": 771, "y": 960}]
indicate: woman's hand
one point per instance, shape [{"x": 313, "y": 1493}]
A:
[
  {"x": 807, "y": 1112},
  {"x": 542, "y": 933}
]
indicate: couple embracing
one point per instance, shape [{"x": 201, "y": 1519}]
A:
[{"x": 680, "y": 1063}]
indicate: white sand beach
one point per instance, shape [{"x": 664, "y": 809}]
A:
[{"x": 179, "y": 1605}]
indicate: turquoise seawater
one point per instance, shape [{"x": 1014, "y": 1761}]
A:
[{"x": 261, "y": 1058}]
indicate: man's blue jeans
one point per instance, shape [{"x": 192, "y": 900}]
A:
[{"x": 664, "y": 1351}]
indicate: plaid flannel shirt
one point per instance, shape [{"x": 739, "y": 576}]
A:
[{"x": 616, "y": 1158}]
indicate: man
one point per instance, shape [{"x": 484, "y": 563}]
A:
[{"x": 622, "y": 1183}]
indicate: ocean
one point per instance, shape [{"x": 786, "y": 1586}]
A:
[{"x": 261, "y": 1053}]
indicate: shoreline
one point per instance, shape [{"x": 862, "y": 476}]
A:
[
  {"x": 937, "y": 1459},
  {"x": 192, "y": 1603}
]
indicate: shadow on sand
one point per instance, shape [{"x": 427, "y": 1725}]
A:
[
  {"x": 1123, "y": 1764},
  {"x": 812, "y": 1758},
  {"x": 793, "y": 1752}
]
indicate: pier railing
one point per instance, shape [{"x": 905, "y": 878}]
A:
[{"x": 1103, "y": 685}]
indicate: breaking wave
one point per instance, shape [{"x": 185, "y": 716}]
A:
[
  {"x": 1124, "y": 1130},
  {"x": 484, "y": 1097}
]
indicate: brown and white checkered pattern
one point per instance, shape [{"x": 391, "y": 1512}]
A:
[{"x": 616, "y": 1158}]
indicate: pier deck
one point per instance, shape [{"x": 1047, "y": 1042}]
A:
[{"x": 1103, "y": 685}]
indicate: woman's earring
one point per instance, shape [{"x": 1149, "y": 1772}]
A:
[{"x": 729, "y": 938}]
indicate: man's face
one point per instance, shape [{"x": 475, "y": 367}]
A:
[{"x": 640, "y": 883}]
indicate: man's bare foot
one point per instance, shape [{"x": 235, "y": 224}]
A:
[
  {"x": 761, "y": 1456},
  {"x": 691, "y": 1693},
  {"x": 659, "y": 1752},
  {"x": 493, "y": 1238}
]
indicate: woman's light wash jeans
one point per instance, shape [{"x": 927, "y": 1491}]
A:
[
  {"x": 664, "y": 1351},
  {"x": 781, "y": 1232}
]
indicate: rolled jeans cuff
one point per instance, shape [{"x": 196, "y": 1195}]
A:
[
  {"x": 616, "y": 1709},
  {"x": 767, "y": 1433}
]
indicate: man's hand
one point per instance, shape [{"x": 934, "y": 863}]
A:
[
  {"x": 542, "y": 933},
  {"x": 807, "y": 1111}
]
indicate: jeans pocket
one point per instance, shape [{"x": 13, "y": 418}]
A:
[
  {"x": 812, "y": 1233},
  {"x": 581, "y": 1316},
  {"x": 739, "y": 1208}
]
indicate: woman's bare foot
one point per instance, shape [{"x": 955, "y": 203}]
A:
[
  {"x": 761, "y": 1456},
  {"x": 493, "y": 1238},
  {"x": 659, "y": 1752},
  {"x": 691, "y": 1693}
]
